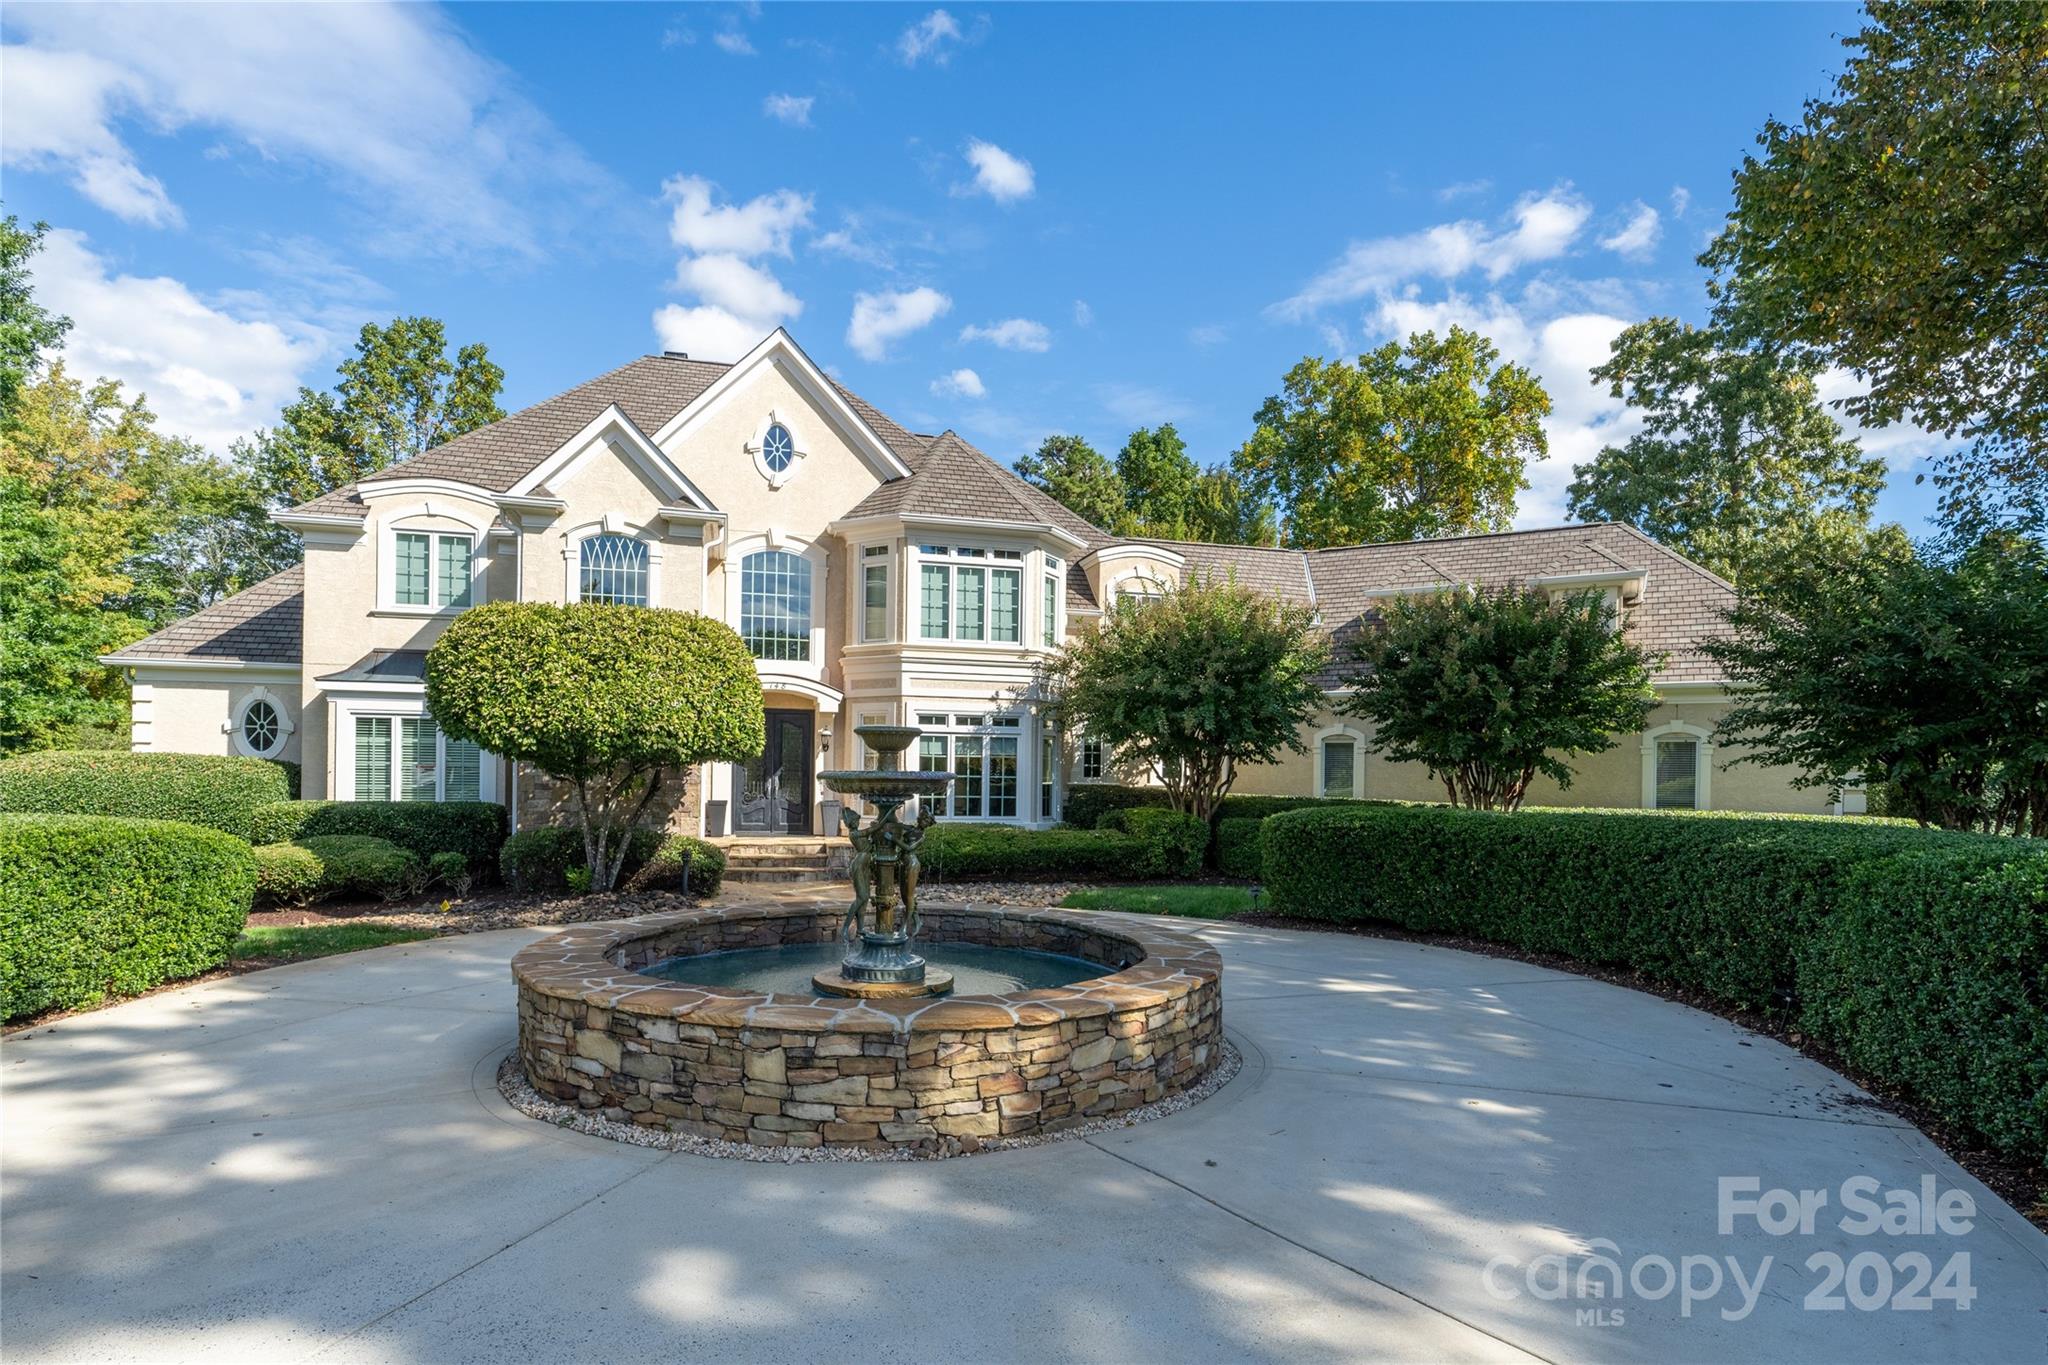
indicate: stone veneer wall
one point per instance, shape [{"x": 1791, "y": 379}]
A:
[
  {"x": 545, "y": 801},
  {"x": 786, "y": 1070}
]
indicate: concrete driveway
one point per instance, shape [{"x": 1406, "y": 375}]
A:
[{"x": 1415, "y": 1163}]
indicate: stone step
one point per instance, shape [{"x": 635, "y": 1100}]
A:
[
  {"x": 791, "y": 860},
  {"x": 763, "y": 875}
]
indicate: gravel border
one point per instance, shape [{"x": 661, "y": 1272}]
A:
[{"x": 518, "y": 1093}]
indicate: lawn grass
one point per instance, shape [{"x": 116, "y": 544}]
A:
[
  {"x": 1196, "y": 902},
  {"x": 292, "y": 942}
]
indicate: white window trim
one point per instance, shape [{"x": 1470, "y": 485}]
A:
[
  {"x": 1143, "y": 583},
  {"x": 1357, "y": 738},
  {"x": 1058, "y": 578},
  {"x": 953, "y": 561},
  {"x": 888, "y": 564},
  {"x": 1703, "y": 786},
  {"x": 758, "y": 449},
  {"x": 387, "y": 556},
  {"x": 611, "y": 524},
  {"x": 285, "y": 725},
  {"x": 345, "y": 710}
]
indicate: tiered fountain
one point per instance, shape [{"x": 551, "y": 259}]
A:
[{"x": 882, "y": 921}]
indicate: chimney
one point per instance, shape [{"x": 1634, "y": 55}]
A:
[{"x": 676, "y": 355}]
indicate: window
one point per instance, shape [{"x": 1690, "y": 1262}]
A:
[
  {"x": 613, "y": 571},
  {"x": 969, "y": 586},
  {"x": 1678, "y": 774},
  {"x": 874, "y": 590},
  {"x": 934, "y": 589},
  {"x": 1340, "y": 769},
  {"x": 1005, "y": 611},
  {"x": 262, "y": 729},
  {"x": 777, "y": 449},
  {"x": 1048, "y": 768},
  {"x": 1091, "y": 760},
  {"x": 407, "y": 758},
  {"x": 431, "y": 569},
  {"x": 1139, "y": 591},
  {"x": 775, "y": 605},
  {"x": 1051, "y": 622},
  {"x": 981, "y": 752},
  {"x": 973, "y": 600}
]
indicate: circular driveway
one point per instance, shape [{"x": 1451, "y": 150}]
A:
[{"x": 1421, "y": 1155}]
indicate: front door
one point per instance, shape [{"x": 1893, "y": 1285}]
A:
[{"x": 772, "y": 793}]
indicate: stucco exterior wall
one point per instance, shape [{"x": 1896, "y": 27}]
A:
[{"x": 178, "y": 711}]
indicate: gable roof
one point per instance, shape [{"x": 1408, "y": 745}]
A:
[{"x": 260, "y": 624}]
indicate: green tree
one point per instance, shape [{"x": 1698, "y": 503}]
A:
[
  {"x": 1220, "y": 510},
  {"x": 1737, "y": 464},
  {"x": 1159, "y": 483},
  {"x": 1075, "y": 473},
  {"x": 27, "y": 329},
  {"x": 1430, "y": 439},
  {"x": 67, "y": 532},
  {"x": 1898, "y": 230},
  {"x": 1488, "y": 689},
  {"x": 614, "y": 701},
  {"x": 203, "y": 532},
  {"x": 1197, "y": 683},
  {"x": 399, "y": 395},
  {"x": 1927, "y": 680}
]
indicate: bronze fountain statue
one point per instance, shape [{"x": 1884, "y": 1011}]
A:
[{"x": 883, "y": 918}]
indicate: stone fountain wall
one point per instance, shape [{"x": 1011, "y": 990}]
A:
[{"x": 782, "y": 1070}]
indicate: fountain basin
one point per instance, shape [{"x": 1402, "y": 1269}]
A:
[{"x": 774, "y": 1068}]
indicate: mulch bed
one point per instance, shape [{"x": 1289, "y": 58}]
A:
[{"x": 2018, "y": 1182}]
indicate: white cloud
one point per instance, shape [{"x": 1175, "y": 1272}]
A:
[
  {"x": 759, "y": 227},
  {"x": 1638, "y": 237},
  {"x": 879, "y": 319},
  {"x": 1011, "y": 334},
  {"x": 935, "y": 38},
  {"x": 210, "y": 372},
  {"x": 678, "y": 35},
  {"x": 393, "y": 100},
  {"x": 961, "y": 383},
  {"x": 737, "y": 300},
  {"x": 1084, "y": 316},
  {"x": 795, "y": 110},
  {"x": 1208, "y": 334},
  {"x": 1540, "y": 227},
  {"x": 733, "y": 41},
  {"x": 997, "y": 174},
  {"x": 1681, "y": 200},
  {"x": 1464, "y": 189}
]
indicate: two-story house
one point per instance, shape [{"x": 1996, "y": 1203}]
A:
[{"x": 877, "y": 575}]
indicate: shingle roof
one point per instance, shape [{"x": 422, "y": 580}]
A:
[
  {"x": 650, "y": 391},
  {"x": 260, "y": 624},
  {"x": 384, "y": 665}
]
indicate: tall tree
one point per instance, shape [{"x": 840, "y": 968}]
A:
[
  {"x": 1075, "y": 473},
  {"x": 1900, "y": 229},
  {"x": 1220, "y": 510},
  {"x": 203, "y": 531},
  {"x": 400, "y": 394},
  {"x": 1427, "y": 439},
  {"x": 1159, "y": 483},
  {"x": 1738, "y": 463},
  {"x": 27, "y": 329}
]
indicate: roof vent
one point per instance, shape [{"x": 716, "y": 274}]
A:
[{"x": 676, "y": 355}]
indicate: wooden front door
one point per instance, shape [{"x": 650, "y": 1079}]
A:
[{"x": 772, "y": 793}]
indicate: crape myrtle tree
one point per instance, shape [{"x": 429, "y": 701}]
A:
[
  {"x": 1195, "y": 683},
  {"x": 1925, "y": 680},
  {"x": 1487, "y": 689},
  {"x": 617, "y": 702}
]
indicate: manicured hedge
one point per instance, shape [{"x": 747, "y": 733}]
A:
[
  {"x": 1238, "y": 848},
  {"x": 1920, "y": 956},
  {"x": 322, "y": 865},
  {"x": 475, "y": 829},
  {"x": 541, "y": 860},
  {"x": 199, "y": 789},
  {"x": 1087, "y": 802},
  {"x": 92, "y": 906},
  {"x": 1171, "y": 845},
  {"x": 968, "y": 851}
]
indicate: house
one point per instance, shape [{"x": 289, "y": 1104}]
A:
[{"x": 877, "y": 575}]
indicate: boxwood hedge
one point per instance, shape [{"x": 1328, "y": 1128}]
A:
[
  {"x": 1919, "y": 956},
  {"x": 92, "y": 906},
  {"x": 542, "y": 859},
  {"x": 200, "y": 789},
  {"x": 1238, "y": 847},
  {"x": 321, "y": 865},
  {"x": 475, "y": 829},
  {"x": 966, "y": 851}
]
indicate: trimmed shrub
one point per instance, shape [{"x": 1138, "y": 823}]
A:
[
  {"x": 288, "y": 875},
  {"x": 967, "y": 851},
  {"x": 451, "y": 870},
  {"x": 1259, "y": 807},
  {"x": 199, "y": 789},
  {"x": 1173, "y": 845},
  {"x": 1087, "y": 802},
  {"x": 1237, "y": 847},
  {"x": 1919, "y": 955},
  {"x": 548, "y": 858},
  {"x": 674, "y": 856},
  {"x": 92, "y": 906},
  {"x": 363, "y": 865},
  {"x": 475, "y": 829}
]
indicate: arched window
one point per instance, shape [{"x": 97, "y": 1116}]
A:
[
  {"x": 613, "y": 570},
  {"x": 775, "y": 605}
]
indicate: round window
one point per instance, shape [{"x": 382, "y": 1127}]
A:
[
  {"x": 262, "y": 727},
  {"x": 777, "y": 449}
]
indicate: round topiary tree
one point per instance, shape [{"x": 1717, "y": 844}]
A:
[{"x": 610, "y": 700}]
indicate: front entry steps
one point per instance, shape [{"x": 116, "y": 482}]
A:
[{"x": 792, "y": 859}]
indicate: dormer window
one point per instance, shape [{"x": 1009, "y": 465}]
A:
[{"x": 433, "y": 570}]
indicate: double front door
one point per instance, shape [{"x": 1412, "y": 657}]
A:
[{"x": 772, "y": 793}]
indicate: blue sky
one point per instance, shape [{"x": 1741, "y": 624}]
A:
[{"x": 1010, "y": 221}]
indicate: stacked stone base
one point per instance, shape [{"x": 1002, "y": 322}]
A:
[{"x": 804, "y": 1071}]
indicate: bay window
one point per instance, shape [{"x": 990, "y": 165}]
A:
[
  {"x": 970, "y": 594},
  {"x": 874, "y": 590},
  {"x": 981, "y": 753}
]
